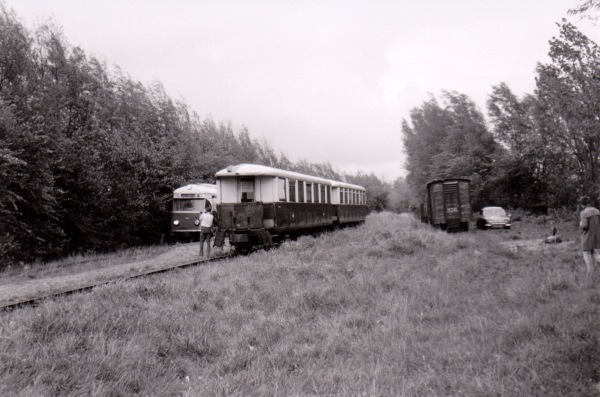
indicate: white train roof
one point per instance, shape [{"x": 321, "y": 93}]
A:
[
  {"x": 263, "y": 170},
  {"x": 347, "y": 185},
  {"x": 197, "y": 188}
]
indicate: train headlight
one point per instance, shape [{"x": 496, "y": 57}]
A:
[
  {"x": 176, "y": 222},
  {"x": 196, "y": 222}
]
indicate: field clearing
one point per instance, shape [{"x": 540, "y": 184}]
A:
[{"x": 389, "y": 308}]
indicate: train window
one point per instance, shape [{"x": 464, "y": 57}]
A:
[
  {"x": 341, "y": 195},
  {"x": 346, "y": 196},
  {"x": 247, "y": 189},
  {"x": 328, "y": 194},
  {"x": 292, "y": 186},
  {"x": 300, "y": 191},
  {"x": 323, "y": 198},
  {"x": 309, "y": 196},
  {"x": 281, "y": 186},
  {"x": 195, "y": 205}
]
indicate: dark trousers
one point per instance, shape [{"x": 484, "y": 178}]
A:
[{"x": 205, "y": 237}]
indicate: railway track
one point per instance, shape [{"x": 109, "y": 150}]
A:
[{"x": 32, "y": 291}]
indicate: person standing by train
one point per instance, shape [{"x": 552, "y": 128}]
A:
[
  {"x": 589, "y": 222},
  {"x": 206, "y": 223}
]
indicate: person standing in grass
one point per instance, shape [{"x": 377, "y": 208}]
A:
[
  {"x": 206, "y": 222},
  {"x": 589, "y": 222}
]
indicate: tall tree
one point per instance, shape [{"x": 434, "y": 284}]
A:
[
  {"x": 568, "y": 90},
  {"x": 401, "y": 197},
  {"x": 532, "y": 160},
  {"x": 449, "y": 141},
  {"x": 586, "y": 8},
  {"x": 377, "y": 190}
]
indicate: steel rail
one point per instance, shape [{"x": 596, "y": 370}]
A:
[{"x": 33, "y": 291}]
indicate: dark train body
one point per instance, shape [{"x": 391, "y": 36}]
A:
[
  {"x": 448, "y": 204},
  {"x": 261, "y": 205}
]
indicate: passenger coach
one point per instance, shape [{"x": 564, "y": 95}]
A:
[{"x": 260, "y": 205}]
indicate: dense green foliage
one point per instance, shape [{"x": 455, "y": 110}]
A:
[
  {"x": 540, "y": 151},
  {"x": 450, "y": 141},
  {"x": 554, "y": 133},
  {"x": 89, "y": 157}
]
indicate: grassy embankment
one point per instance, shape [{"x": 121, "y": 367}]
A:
[
  {"x": 389, "y": 308},
  {"x": 12, "y": 273}
]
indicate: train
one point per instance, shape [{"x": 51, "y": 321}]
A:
[
  {"x": 188, "y": 202},
  {"x": 448, "y": 204},
  {"x": 260, "y": 205}
]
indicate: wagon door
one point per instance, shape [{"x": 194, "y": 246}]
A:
[
  {"x": 465, "y": 201},
  {"x": 452, "y": 203},
  {"x": 438, "y": 212}
]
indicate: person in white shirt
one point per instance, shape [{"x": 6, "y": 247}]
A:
[{"x": 206, "y": 222}]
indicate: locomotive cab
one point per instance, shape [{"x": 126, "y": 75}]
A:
[{"x": 188, "y": 202}]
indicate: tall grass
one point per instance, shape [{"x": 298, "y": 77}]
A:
[
  {"x": 389, "y": 308},
  {"x": 12, "y": 273}
]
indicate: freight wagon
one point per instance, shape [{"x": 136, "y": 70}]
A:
[{"x": 448, "y": 204}]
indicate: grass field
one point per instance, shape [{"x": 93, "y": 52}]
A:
[{"x": 390, "y": 308}]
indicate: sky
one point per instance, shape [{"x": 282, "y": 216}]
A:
[{"x": 319, "y": 80}]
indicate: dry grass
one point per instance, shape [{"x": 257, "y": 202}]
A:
[
  {"x": 11, "y": 273},
  {"x": 389, "y": 308}
]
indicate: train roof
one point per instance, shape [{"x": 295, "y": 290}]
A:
[
  {"x": 347, "y": 185},
  {"x": 197, "y": 188},
  {"x": 448, "y": 180},
  {"x": 258, "y": 170}
]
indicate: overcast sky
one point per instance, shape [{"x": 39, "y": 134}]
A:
[{"x": 319, "y": 80}]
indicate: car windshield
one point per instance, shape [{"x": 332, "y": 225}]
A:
[{"x": 494, "y": 211}]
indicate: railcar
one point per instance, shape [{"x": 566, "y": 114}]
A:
[
  {"x": 448, "y": 204},
  {"x": 188, "y": 202},
  {"x": 261, "y": 205}
]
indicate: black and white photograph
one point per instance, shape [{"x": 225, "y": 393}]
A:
[{"x": 300, "y": 198}]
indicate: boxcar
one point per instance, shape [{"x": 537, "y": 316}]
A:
[
  {"x": 448, "y": 204},
  {"x": 188, "y": 202},
  {"x": 261, "y": 205}
]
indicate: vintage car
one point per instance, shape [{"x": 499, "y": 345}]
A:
[{"x": 493, "y": 218}]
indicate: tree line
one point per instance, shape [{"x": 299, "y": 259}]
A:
[
  {"x": 539, "y": 151},
  {"x": 89, "y": 157}
]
